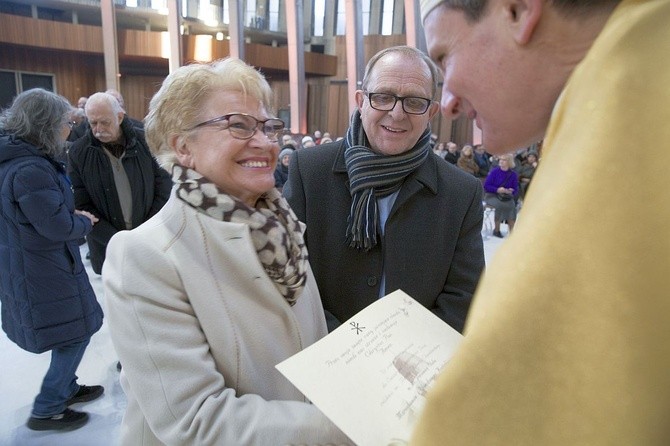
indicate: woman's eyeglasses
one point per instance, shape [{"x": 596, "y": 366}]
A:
[
  {"x": 412, "y": 105},
  {"x": 243, "y": 126}
]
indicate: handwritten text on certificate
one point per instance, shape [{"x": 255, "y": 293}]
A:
[{"x": 371, "y": 374}]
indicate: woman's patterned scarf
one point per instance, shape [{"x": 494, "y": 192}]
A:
[
  {"x": 274, "y": 228},
  {"x": 373, "y": 175}
]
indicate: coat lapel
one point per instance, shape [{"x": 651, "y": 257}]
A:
[{"x": 424, "y": 177}]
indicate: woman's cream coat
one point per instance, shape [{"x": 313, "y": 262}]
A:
[{"x": 198, "y": 327}]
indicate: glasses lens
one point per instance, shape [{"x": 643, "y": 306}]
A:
[
  {"x": 272, "y": 128},
  {"x": 242, "y": 126},
  {"x": 414, "y": 105},
  {"x": 382, "y": 101}
]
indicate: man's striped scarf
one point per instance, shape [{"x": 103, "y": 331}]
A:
[{"x": 373, "y": 175}]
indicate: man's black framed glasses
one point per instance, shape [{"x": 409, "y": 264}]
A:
[
  {"x": 243, "y": 126},
  {"x": 413, "y": 105}
]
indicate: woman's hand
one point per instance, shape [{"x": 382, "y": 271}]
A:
[{"x": 88, "y": 215}]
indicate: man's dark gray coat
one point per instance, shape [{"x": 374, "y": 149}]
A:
[{"x": 432, "y": 247}]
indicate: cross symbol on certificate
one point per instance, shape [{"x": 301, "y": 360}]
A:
[{"x": 356, "y": 327}]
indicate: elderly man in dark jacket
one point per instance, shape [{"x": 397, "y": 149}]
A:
[{"x": 114, "y": 175}]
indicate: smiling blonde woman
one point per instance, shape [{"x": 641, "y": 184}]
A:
[{"x": 210, "y": 294}]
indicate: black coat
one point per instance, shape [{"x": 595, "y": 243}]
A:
[
  {"x": 432, "y": 248},
  {"x": 95, "y": 190}
]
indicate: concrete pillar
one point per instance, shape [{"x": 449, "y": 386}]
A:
[
  {"x": 282, "y": 26},
  {"x": 176, "y": 59},
  {"x": 329, "y": 27},
  {"x": 110, "y": 45},
  {"x": 376, "y": 7},
  {"x": 399, "y": 17},
  {"x": 296, "y": 65},
  {"x": 413, "y": 26},
  {"x": 308, "y": 14},
  {"x": 354, "y": 44},
  {"x": 236, "y": 28}
]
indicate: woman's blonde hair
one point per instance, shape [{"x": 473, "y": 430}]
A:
[{"x": 176, "y": 107}]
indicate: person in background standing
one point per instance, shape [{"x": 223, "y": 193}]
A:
[
  {"x": 114, "y": 175},
  {"x": 48, "y": 303}
]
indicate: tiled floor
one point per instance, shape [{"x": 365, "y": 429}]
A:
[{"x": 22, "y": 372}]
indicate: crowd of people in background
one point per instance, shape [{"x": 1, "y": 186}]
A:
[
  {"x": 521, "y": 166},
  {"x": 471, "y": 158},
  {"x": 474, "y": 159}
]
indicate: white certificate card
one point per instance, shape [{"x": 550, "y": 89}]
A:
[{"x": 370, "y": 375}]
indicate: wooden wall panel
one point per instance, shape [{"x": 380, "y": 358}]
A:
[
  {"x": 139, "y": 43},
  {"x": 263, "y": 56},
  {"x": 145, "y": 44},
  {"x": 79, "y": 70},
  {"x": 75, "y": 74},
  {"x": 317, "y": 107},
  {"x": 220, "y": 49},
  {"x": 137, "y": 91},
  {"x": 282, "y": 94},
  {"x": 371, "y": 45},
  {"x": 49, "y": 34},
  {"x": 276, "y": 58},
  {"x": 79, "y": 75},
  {"x": 338, "y": 109},
  {"x": 321, "y": 64}
]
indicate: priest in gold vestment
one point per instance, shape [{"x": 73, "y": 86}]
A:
[{"x": 568, "y": 338}]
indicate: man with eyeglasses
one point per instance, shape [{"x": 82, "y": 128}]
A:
[
  {"x": 114, "y": 175},
  {"x": 383, "y": 212}
]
